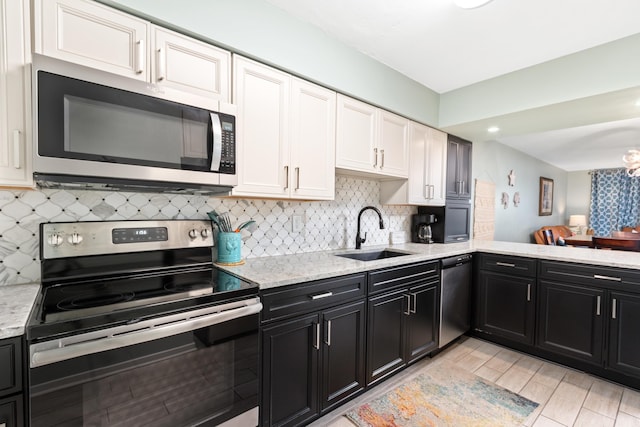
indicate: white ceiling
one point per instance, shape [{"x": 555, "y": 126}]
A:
[{"x": 445, "y": 48}]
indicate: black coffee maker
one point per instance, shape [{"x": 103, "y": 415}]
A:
[{"x": 421, "y": 227}]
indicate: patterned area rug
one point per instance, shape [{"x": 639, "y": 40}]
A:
[{"x": 445, "y": 395}]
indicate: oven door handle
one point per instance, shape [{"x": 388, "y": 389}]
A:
[{"x": 45, "y": 353}]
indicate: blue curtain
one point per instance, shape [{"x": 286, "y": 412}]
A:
[{"x": 615, "y": 201}]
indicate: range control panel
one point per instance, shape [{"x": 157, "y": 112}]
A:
[{"x": 72, "y": 239}]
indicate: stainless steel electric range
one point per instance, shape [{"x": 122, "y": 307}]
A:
[{"x": 134, "y": 326}]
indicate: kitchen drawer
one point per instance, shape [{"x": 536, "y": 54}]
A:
[
  {"x": 311, "y": 296},
  {"x": 589, "y": 274},
  {"x": 508, "y": 264},
  {"x": 10, "y": 366},
  {"x": 388, "y": 278}
]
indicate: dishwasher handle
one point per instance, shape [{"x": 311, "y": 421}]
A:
[{"x": 456, "y": 261}]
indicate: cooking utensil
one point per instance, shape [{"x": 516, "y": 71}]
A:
[{"x": 247, "y": 225}]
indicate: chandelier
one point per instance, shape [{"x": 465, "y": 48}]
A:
[{"x": 632, "y": 162}]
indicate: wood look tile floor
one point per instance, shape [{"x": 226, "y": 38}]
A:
[{"x": 567, "y": 398}]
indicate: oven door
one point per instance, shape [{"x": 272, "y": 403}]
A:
[
  {"x": 172, "y": 375},
  {"x": 95, "y": 124}
]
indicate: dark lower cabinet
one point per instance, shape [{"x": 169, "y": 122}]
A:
[
  {"x": 570, "y": 320},
  {"x": 624, "y": 333},
  {"x": 11, "y": 412},
  {"x": 312, "y": 363},
  {"x": 403, "y": 326},
  {"x": 290, "y": 372},
  {"x": 11, "y": 377},
  {"x": 505, "y": 306}
]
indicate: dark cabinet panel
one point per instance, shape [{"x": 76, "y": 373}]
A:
[
  {"x": 624, "y": 333},
  {"x": 458, "y": 168},
  {"x": 457, "y": 221},
  {"x": 422, "y": 322},
  {"x": 385, "y": 340},
  {"x": 290, "y": 371},
  {"x": 10, "y": 366},
  {"x": 506, "y": 306},
  {"x": 343, "y": 354},
  {"x": 11, "y": 412},
  {"x": 570, "y": 320}
]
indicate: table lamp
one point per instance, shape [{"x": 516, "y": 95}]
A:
[{"x": 577, "y": 222}]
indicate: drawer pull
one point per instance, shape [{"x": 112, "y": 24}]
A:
[
  {"x": 614, "y": 308},
  {"x": 614, "y": 279},
  {"x": 598, "y": 300},
  {"x": 505, "y": 264},
  {"x": 320, "y": 296}
]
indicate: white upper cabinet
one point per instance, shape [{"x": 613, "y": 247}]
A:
[
  {"x": 88, "y": 33},
  {"x": 15, "y": 131},
  {"x": 286, "y": 127},
  {"x": 313, "y": 141},
  {"x": 427, "y": 170},
  {"x": 190, "y": 65},
  {"x": 370, "y": 140},
  {"x": 97, "y": 36}
]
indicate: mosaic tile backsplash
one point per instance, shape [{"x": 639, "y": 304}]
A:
[{"x": 327, "y": 224}]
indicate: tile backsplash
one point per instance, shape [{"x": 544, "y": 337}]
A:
[{"x": 327, "y": 224}]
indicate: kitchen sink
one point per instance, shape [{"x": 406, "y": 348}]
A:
[{"x": 373, "y": 255}]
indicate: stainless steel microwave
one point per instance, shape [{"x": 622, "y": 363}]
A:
[{"x": 98, "y": 130}]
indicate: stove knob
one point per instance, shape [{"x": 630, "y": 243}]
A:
[
  {"x": 54, "y": 239},
  {"x": 205, "y": 233},
  {"x": 75, "y": 239},
  {"x": 193, "y": 233}
]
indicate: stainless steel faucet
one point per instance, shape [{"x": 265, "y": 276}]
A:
[{"x": 360, "y": 240}]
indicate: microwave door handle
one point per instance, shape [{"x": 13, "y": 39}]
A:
[{"x": 216, "y": 131}]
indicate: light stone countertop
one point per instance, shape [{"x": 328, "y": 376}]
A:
[
  {"x": 282, "y": 270},
  {"x": 15, "y": 305},
  {"x": 16, "y": 301}
]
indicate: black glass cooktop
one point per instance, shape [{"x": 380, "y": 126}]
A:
[{"x": 71, "y": 307}]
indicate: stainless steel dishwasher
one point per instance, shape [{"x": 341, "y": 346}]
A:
[{"x": 455, "y": 298}]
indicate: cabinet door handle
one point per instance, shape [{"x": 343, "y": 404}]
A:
[
  {"x": 505, "y": 264},
  {"x": 375, "y": 157},
  {"x": 614, "y": 308},
  {"x": 614, "y": 279},
  {"x": 432, "y": 192},
  {"x": 408, "y": 312},
  {"x": 140, "y": 53},
  {"x": 415, "y": 303},
  {"x": 598, "y": 300},
  {"x": 297, "y": 179},
  {"x": 382, "y": 159},
  {"x": 427, "y": 191},
  {"x": 286, "y": 178},
  {"x": 17, "y": 152},
  {"x": 528, "y": 291},
  {"x": 317, "y": 340},
  {"x": 320, "y": 296},
  {"x": 160, "y": 62},
  {"x": 328, "y": 333}
]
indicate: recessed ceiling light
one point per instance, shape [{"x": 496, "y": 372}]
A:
[
  {"x": 493, "y": 129},
  {"x": 470, "y": 4}
]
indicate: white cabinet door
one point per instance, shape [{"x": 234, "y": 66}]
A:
[
  {"x": 190, "y": 65},
  {"x": 313, "y": 126},
  {"x": 262, "y": 97},
  {"x": 88, "y": 33},
  {"x": 393, "y": 153},
  {"x": 15, "y": 132},
  {"x": 356, "y": 135},
  {"x": 435, "y": 165}
]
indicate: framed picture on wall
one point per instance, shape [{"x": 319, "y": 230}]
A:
[{"x": 545, "y": 205}]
